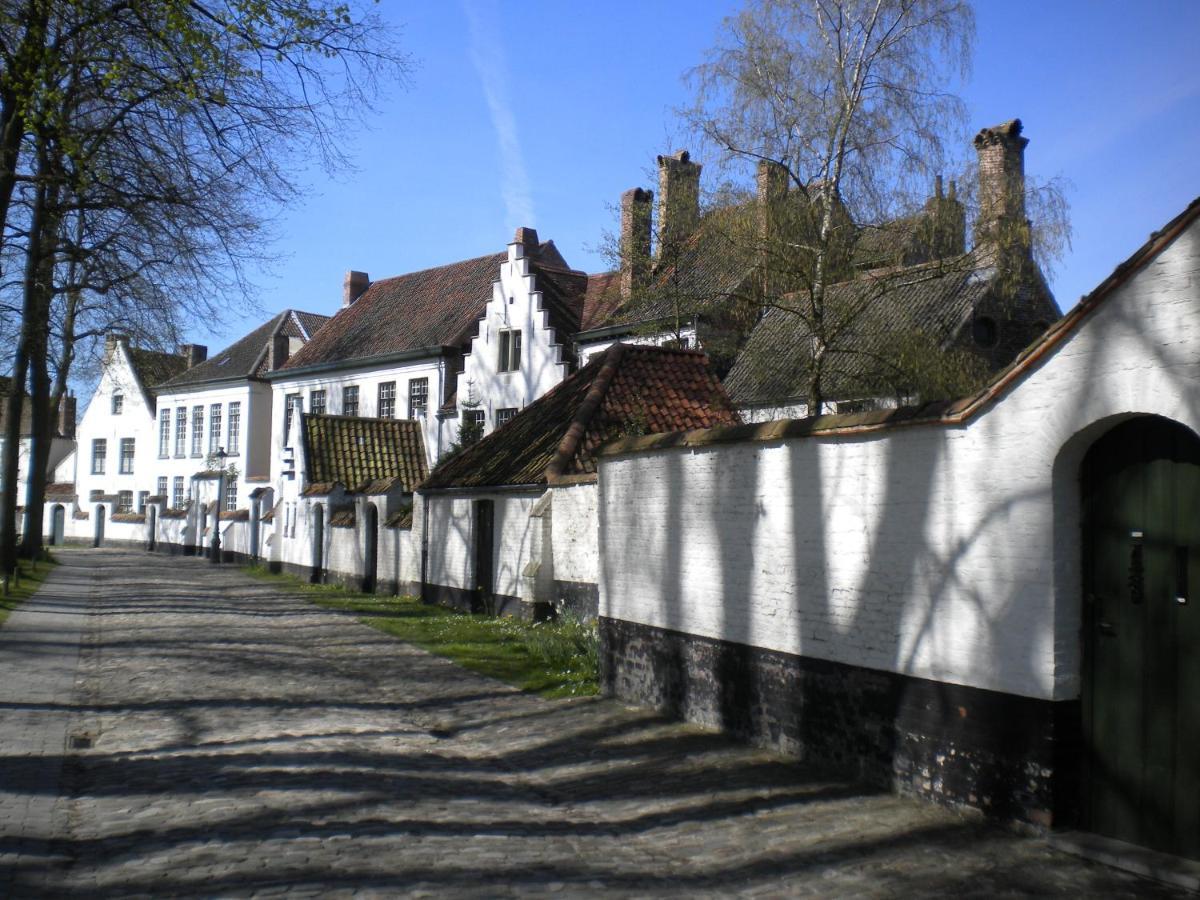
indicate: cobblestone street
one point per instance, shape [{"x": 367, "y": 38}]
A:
[{"x": 168, "y": 728}]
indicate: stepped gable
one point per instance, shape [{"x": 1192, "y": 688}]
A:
[
  {"x": 438, "y": 307},
  {"x": 626, "y": 390},
  {"x": 368, "y": 456},
  {"x": 249, "y": 356}
]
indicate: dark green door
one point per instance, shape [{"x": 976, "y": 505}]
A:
[{"x": 1141, "y": 696}]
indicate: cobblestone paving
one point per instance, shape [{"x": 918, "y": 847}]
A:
[{"x": 244, "y": 742}]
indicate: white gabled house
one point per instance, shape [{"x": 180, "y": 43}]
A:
[{"x": 482, "y": 337}]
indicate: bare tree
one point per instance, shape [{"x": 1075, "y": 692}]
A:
[{"x": 168, "y": 129}]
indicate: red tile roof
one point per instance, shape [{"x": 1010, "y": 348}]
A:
[
  {"x": 438, "y": 307},
  {"x": 624, "y": 390},
  {"x": 602, "y": 300}
]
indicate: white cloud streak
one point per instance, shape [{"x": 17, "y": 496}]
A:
[{"x": 487, "y": 56}]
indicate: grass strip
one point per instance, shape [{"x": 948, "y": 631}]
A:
[
  {"x": 32, "y": 576},
  {"x": 550, "y": 659}
]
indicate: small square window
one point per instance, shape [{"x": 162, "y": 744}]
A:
[
  {"x": 124, "y": 501},
  {"x": 350, "y": 400},
  {"x": 387, "y": 400},
  {"x": 118, "y": 404},
  {"x": 504, "y": 416},
  {"x": 316, "y": 403},
  {"x": 418, "y": 397}
]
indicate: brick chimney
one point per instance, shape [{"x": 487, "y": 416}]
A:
[
  {"x": 771, "y": 182},
  {"x": 66, "y": 418},
  {"x": 281, "y": 348},
  {"x": 353, "y": 286},
  {"x": 678, "y": 199},
  {"x": 943, "y": 230},
  {"x": 1002, "y": 219},
  {"x": 525, "y": 243},
  {"x": 635, "y": 239},
  {"x": 193, "y": 353}
]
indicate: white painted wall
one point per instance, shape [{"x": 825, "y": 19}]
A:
[
  {"x": 187, "y": 464},
  {"x": 367, "y": 378},
  {"x": 575, "y": 533},
  {"x": 98, "y": 422},
  {"x": 589, "y": 350},
  {"x": 452, "y": 540},
  {"x": 946, "y": 553}
]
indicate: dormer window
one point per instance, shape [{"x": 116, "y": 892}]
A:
[
  {"x": 118, "y": 404},
  {"x": 510, "y": 351}
]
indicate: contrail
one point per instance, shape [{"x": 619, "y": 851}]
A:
[{"x": 487, "y": 56}]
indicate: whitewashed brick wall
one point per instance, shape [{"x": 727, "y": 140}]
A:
[
  {"x": 575, "y": 518},
  {"x": 949, "y": 553},
  {"x": 452, "y": 541}
]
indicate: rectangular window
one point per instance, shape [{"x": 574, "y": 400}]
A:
[
  {"x": 164, "y": 433},
  {"x": 118, "y": 404},
  {"x": 124, "y": 501},
  {"x": 214, "y": 428},
  {"x": 99, "y": 455},
  {"x": 418, "y": 397},
  {"x": 473, "y": 417},
  {"x": 510, "y": 351},
  {"x": 350, "y": 400},
  {"x": 162, "y": 486},
  {"x": 291, "y": 406},
  {"x": 177, "y": 493},
  {"x": 234, "y": 443},
  {"x": 387, "y": 400},
  {"x": 231, "y": 495},
  {"x": 316, "y": 403},
  {"x": 197, "y": 431},
  {"x": 127, "y": 449},
  {"x": 503, "y": 416},
  {"x": 143, "y": 500},
  {"x": 180, "y": 431}
]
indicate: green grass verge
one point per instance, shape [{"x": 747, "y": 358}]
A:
[
  {"x": 31, "y": 580},
  {"x": 551, "y": 659}
]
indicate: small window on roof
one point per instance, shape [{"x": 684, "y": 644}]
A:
[{"x": 985, "y": 331}]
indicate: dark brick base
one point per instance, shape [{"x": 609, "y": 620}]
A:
[
  {"x": 468, "y": 601},
  {"x": 579, "y": 598},
  {"x": 1010, "y": 756}
]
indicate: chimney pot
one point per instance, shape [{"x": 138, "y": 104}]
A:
[
  {"x": 353, "y": 286},
  {"x": 635, "y": 239}
]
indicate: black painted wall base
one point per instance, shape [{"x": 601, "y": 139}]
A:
[
  {"x": 1010, "y": 756},
  {"x": 469, "y": 601},
  {"x": 578, "y": 598}
]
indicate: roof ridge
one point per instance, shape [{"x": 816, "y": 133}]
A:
[
  {"x": 568, "y": 446},
  {"x": 457, "y": 262}
]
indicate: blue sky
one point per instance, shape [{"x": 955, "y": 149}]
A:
[{"x": 541, "y": 113}]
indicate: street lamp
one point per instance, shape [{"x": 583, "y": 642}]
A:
[{"x": 216, "y": 540}]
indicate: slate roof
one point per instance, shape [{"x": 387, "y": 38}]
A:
[
  {"x": 438, "y": 307},
  {"x": 248, "y": 357},
  {"x": 626, "y": 389},
  {"x": 934, "y": 300},
  {"x": 711, "y": 267},
  {"x": 369, "y": 456},
  {"x": 153, "y": 368}
]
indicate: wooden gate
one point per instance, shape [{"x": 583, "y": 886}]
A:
[{"x": 1141, "y": 691}]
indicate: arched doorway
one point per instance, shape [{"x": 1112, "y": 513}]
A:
[
  {"x": 58, "y": 525},
  {"x": 318, "y": 550},
  {"x": 1141, "y": 635},
  {"x": 98, "y": 538},
  {"x": 371, "y": 549}
]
